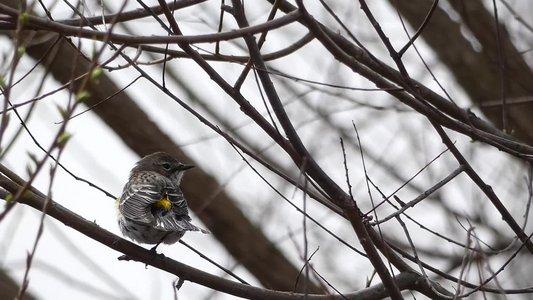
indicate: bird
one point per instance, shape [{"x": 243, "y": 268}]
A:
[{"x": 152, "y": 208}]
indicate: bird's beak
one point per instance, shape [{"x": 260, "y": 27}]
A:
[{"x": 185, "y": 167}]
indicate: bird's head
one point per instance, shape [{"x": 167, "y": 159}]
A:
[{"x": 163, "y": 164}]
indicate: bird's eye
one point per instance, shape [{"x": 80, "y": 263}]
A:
[{"x": 166, "y": 166}]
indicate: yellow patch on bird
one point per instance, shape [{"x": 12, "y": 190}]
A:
[{"x": 164, "y": 203}]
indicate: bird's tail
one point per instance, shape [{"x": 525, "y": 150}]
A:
[
  {"x": 170, "y": 223},
  {"x": 192, "y": 227},
  {"x": 201, "y": 230}
]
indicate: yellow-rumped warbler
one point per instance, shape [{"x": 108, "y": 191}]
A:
[{"x": 152, "y": 208}]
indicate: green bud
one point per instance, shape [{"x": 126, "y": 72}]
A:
[
  {"x": 24, "y": 18},
  {"x": 64, "y": 137},
  {"x": 21, "y": 50},
  {"x": 96, "y": 73},
  {"x": 27, "y": 193},
  {"x": 82, "y": 96},
  {"x": 63, "y": 112}
]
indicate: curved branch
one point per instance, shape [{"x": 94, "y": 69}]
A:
[
  {"x": 233, "y": 58},
  {"x": 38, "y": 23}
]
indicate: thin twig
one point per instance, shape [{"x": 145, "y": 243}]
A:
[{"x": 427, "y": 193}]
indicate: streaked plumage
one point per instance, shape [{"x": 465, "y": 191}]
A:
[{"x": 152, "y": 208}]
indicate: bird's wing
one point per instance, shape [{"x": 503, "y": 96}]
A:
[
  {"x": 179, "y": 204},
  {"x": 136, "y": 200}
]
